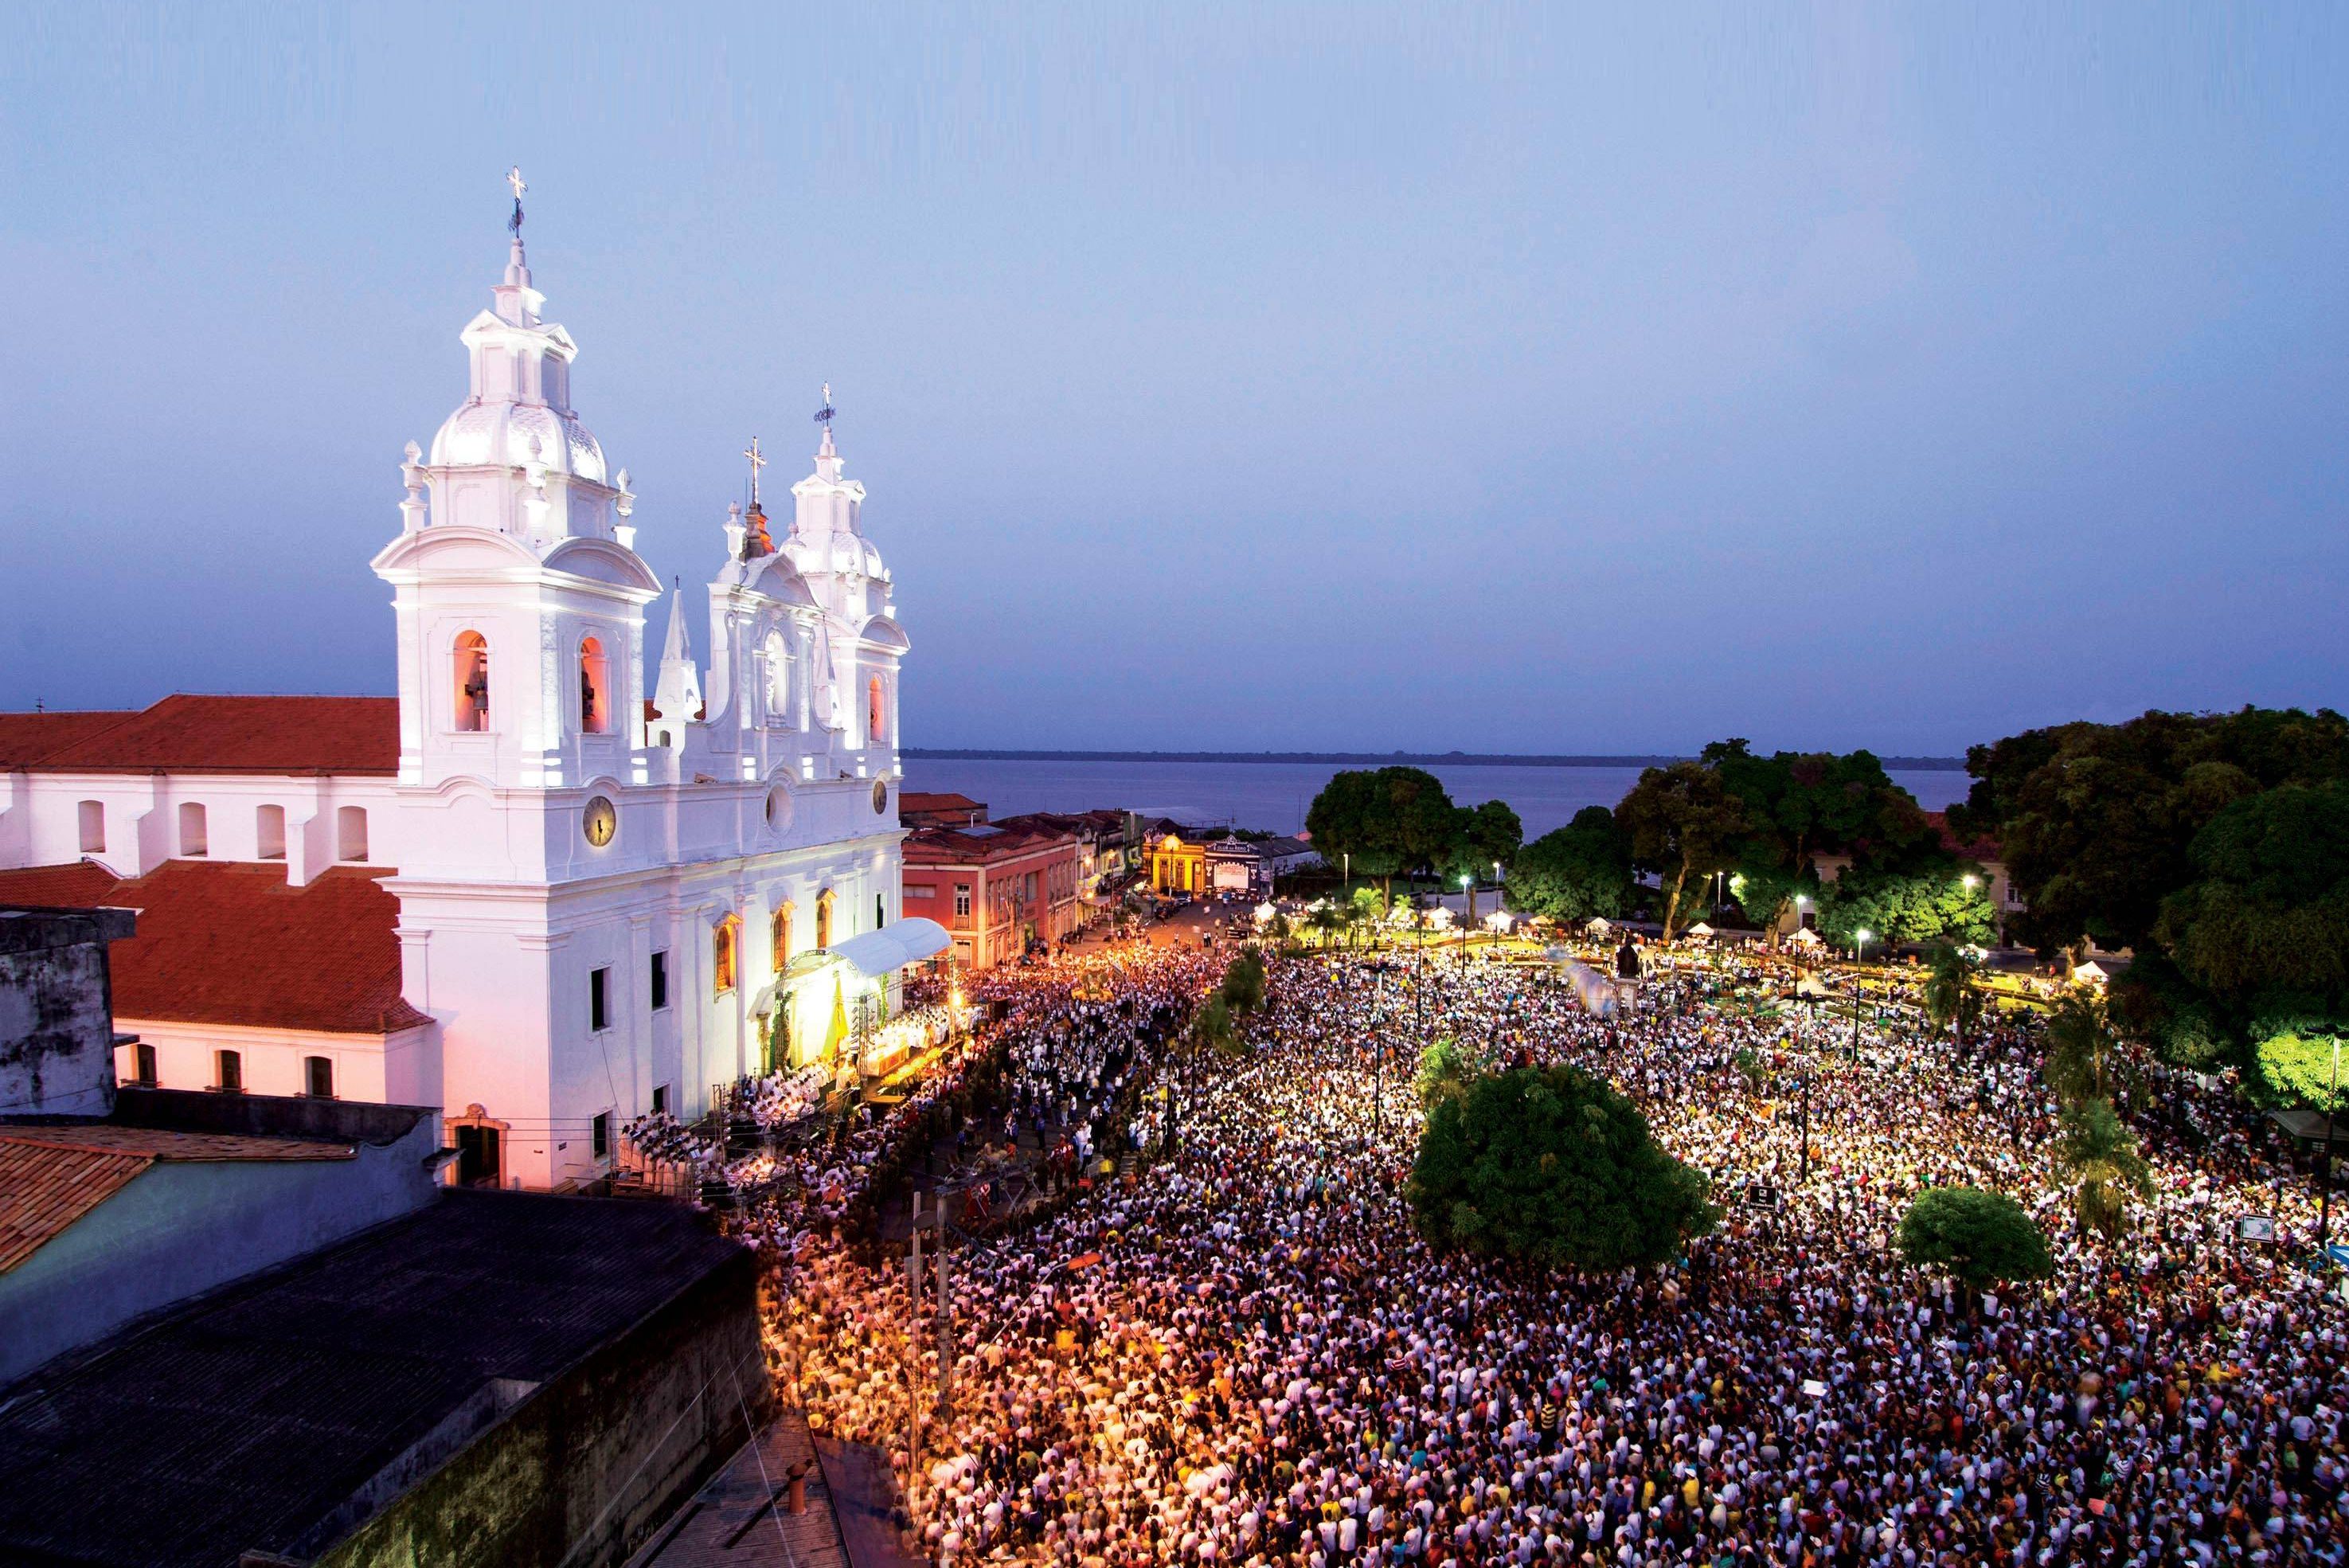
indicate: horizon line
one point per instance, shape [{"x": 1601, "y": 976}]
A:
[{"x": 1457, "y": 759}]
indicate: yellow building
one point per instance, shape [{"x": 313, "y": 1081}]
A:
[{"x": 1176, "y": 866}]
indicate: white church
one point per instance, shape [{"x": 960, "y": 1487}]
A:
[{"x": 548, "y": 888}]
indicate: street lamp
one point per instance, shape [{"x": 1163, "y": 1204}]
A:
[
  {"x": 2331, "y": 1104},
  {"x": 1467, "y": 886},
  {"x": 1804, "y": 1078},
  {"x": 1859, "y": 953}
]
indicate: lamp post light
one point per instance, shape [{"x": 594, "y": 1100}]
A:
[
  {"x": 1467, "y": 886},
  {"x": 2324, "y": 1200},
  {"x": 1859, "y": 953},
  {"x": 1804, "y": 1079}
]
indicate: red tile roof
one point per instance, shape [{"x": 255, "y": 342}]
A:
[
  {"x": 981, "y": 846},
  {"x": 25, "y": 737},
  {"x": 223, "y": 942},
  {"x": 1983, "y": 849},
  {"x": 43, "y": 1190},
  {"x": 168, "y": 1142},
  {"x": 52, "y": 1174},
  {"x": 197, "y": 734}
]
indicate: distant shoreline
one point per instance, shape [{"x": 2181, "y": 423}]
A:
[{"x": 1379, "y": 759}]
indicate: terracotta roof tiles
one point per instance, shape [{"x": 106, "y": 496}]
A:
[
  {"x": 43, "y": 1191},
  {"x": 229, "y": 942},
  {"x": 207, "y": 734}
]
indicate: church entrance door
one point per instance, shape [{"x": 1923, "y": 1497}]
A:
[{"x": 476, "y": 1157}]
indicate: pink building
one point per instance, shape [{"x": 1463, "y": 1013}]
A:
[{"x": 995, "y": 890}]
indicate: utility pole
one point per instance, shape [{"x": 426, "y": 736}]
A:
[
  {"x": 913, "y": 1354},
  {"x": 945, "y": 1331},
  {"x": 1805, "y": 1180},
  {"x": 2325, "y": 1200}
]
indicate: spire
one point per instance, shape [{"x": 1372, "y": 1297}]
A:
[
  {"x": 678, "y": 699},
  {"x": 517, "y": 301},
  {"x": 827, "y": 461}
]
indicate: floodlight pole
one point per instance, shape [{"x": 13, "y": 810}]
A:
[
  {"x": 2325, "y": 1199},
  {"x": 1804, "y": 1179}
]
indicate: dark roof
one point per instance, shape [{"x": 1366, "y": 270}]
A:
[
  {"x": 200, "y": 734},
  {"x": 224, "y": 941},
  {"x": 241, "y": 1422}
]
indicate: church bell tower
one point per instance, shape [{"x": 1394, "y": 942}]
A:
[{"x": 517, "y": 589}]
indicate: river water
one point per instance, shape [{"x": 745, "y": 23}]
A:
[{"x": 1273, "y": 796}]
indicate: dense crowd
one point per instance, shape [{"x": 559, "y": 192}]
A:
[{"x": 1247, "y": 1353}]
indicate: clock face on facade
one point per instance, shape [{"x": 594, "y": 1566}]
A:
[
  {"x": 599, "y": 822},
  {"x": 880, "y": 795}
]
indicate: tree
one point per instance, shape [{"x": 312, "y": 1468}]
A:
[
  {"x": 2269, "y": 909},
  {"x": 1243, "y": 990},
  {"x": 1574, "y": 872},
  {"x": 2096, "y": 821},
  {"x": 1483, "y": 836},
  {"x": 1919, "y": 905},
  {"x": 1213, "y": 1025},
  {"x": 1981, "y": 1237},
  {"x": 1683, "y": 822},
  {"x": 1445, "y": 1071},
  {"x": 1339, "y": 821},
  {"x": 1799, "y": 806},
  {"x": 2295, "y": 1067},
  {"x": 2097, "y": 1150},
  {"x": 2083, "y": 1060},
  {"x": 1953, "y": 997},
  {"x": 1390, "y": 821},
  {"x": 1551, "y": 1165}
]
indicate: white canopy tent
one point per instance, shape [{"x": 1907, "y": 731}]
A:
[
  {"x": 1806, "y": 938},
  {"x": 1700, "y": 929},
  {"x": 892, "y": 948},
  {"x": 1598, "y": 926}
]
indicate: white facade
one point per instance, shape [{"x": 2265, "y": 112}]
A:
[{"x": 541, "y": 827}]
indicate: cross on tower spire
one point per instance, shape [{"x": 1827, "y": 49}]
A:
[
  {"x": 513, "y": 178},
  {"x": 757, "y": 463}
]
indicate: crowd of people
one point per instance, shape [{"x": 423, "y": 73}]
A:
[{"x": 1244, "y": 1352}]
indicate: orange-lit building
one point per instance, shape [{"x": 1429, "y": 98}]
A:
[{"x": 1178, "y": 865}]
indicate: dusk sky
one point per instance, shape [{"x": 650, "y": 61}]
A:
[{"x": 1267, "y": 376}]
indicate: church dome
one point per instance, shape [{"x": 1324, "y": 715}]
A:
[
  {"x": 837, "y": 555},
  {"x": 512, "y": 435}
]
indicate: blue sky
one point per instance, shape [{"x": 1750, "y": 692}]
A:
[{"x": 1278, "y": 376}]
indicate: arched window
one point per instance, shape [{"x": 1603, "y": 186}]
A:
[
  {"x": 191, "y": 829},
  {"x": 93, "y": 826},
  {"x": 785, "y": 913},
  {"x": 269, "y": 832},
  {"x": 471, "y": 658},
  {"x": 876, "y": 711},
  {"x": 723, "y": 941},
  {"x": 823, "y": 918},
  {"x": 595, "y": 693},
  {"x": 350, "y": 833}
]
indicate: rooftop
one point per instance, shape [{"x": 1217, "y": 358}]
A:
[
  {"x": 52, "y": 1174},
  {"x": 233, "y": 942},
  {"x": 963, "y": 846},
  {"x": 244, "y": 1421},
  {"x": 189, "y": 733}
]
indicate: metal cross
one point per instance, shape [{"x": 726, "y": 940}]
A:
[
  {"x": 757, "y": 463},
  {"x": 513, "y": 178}
]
